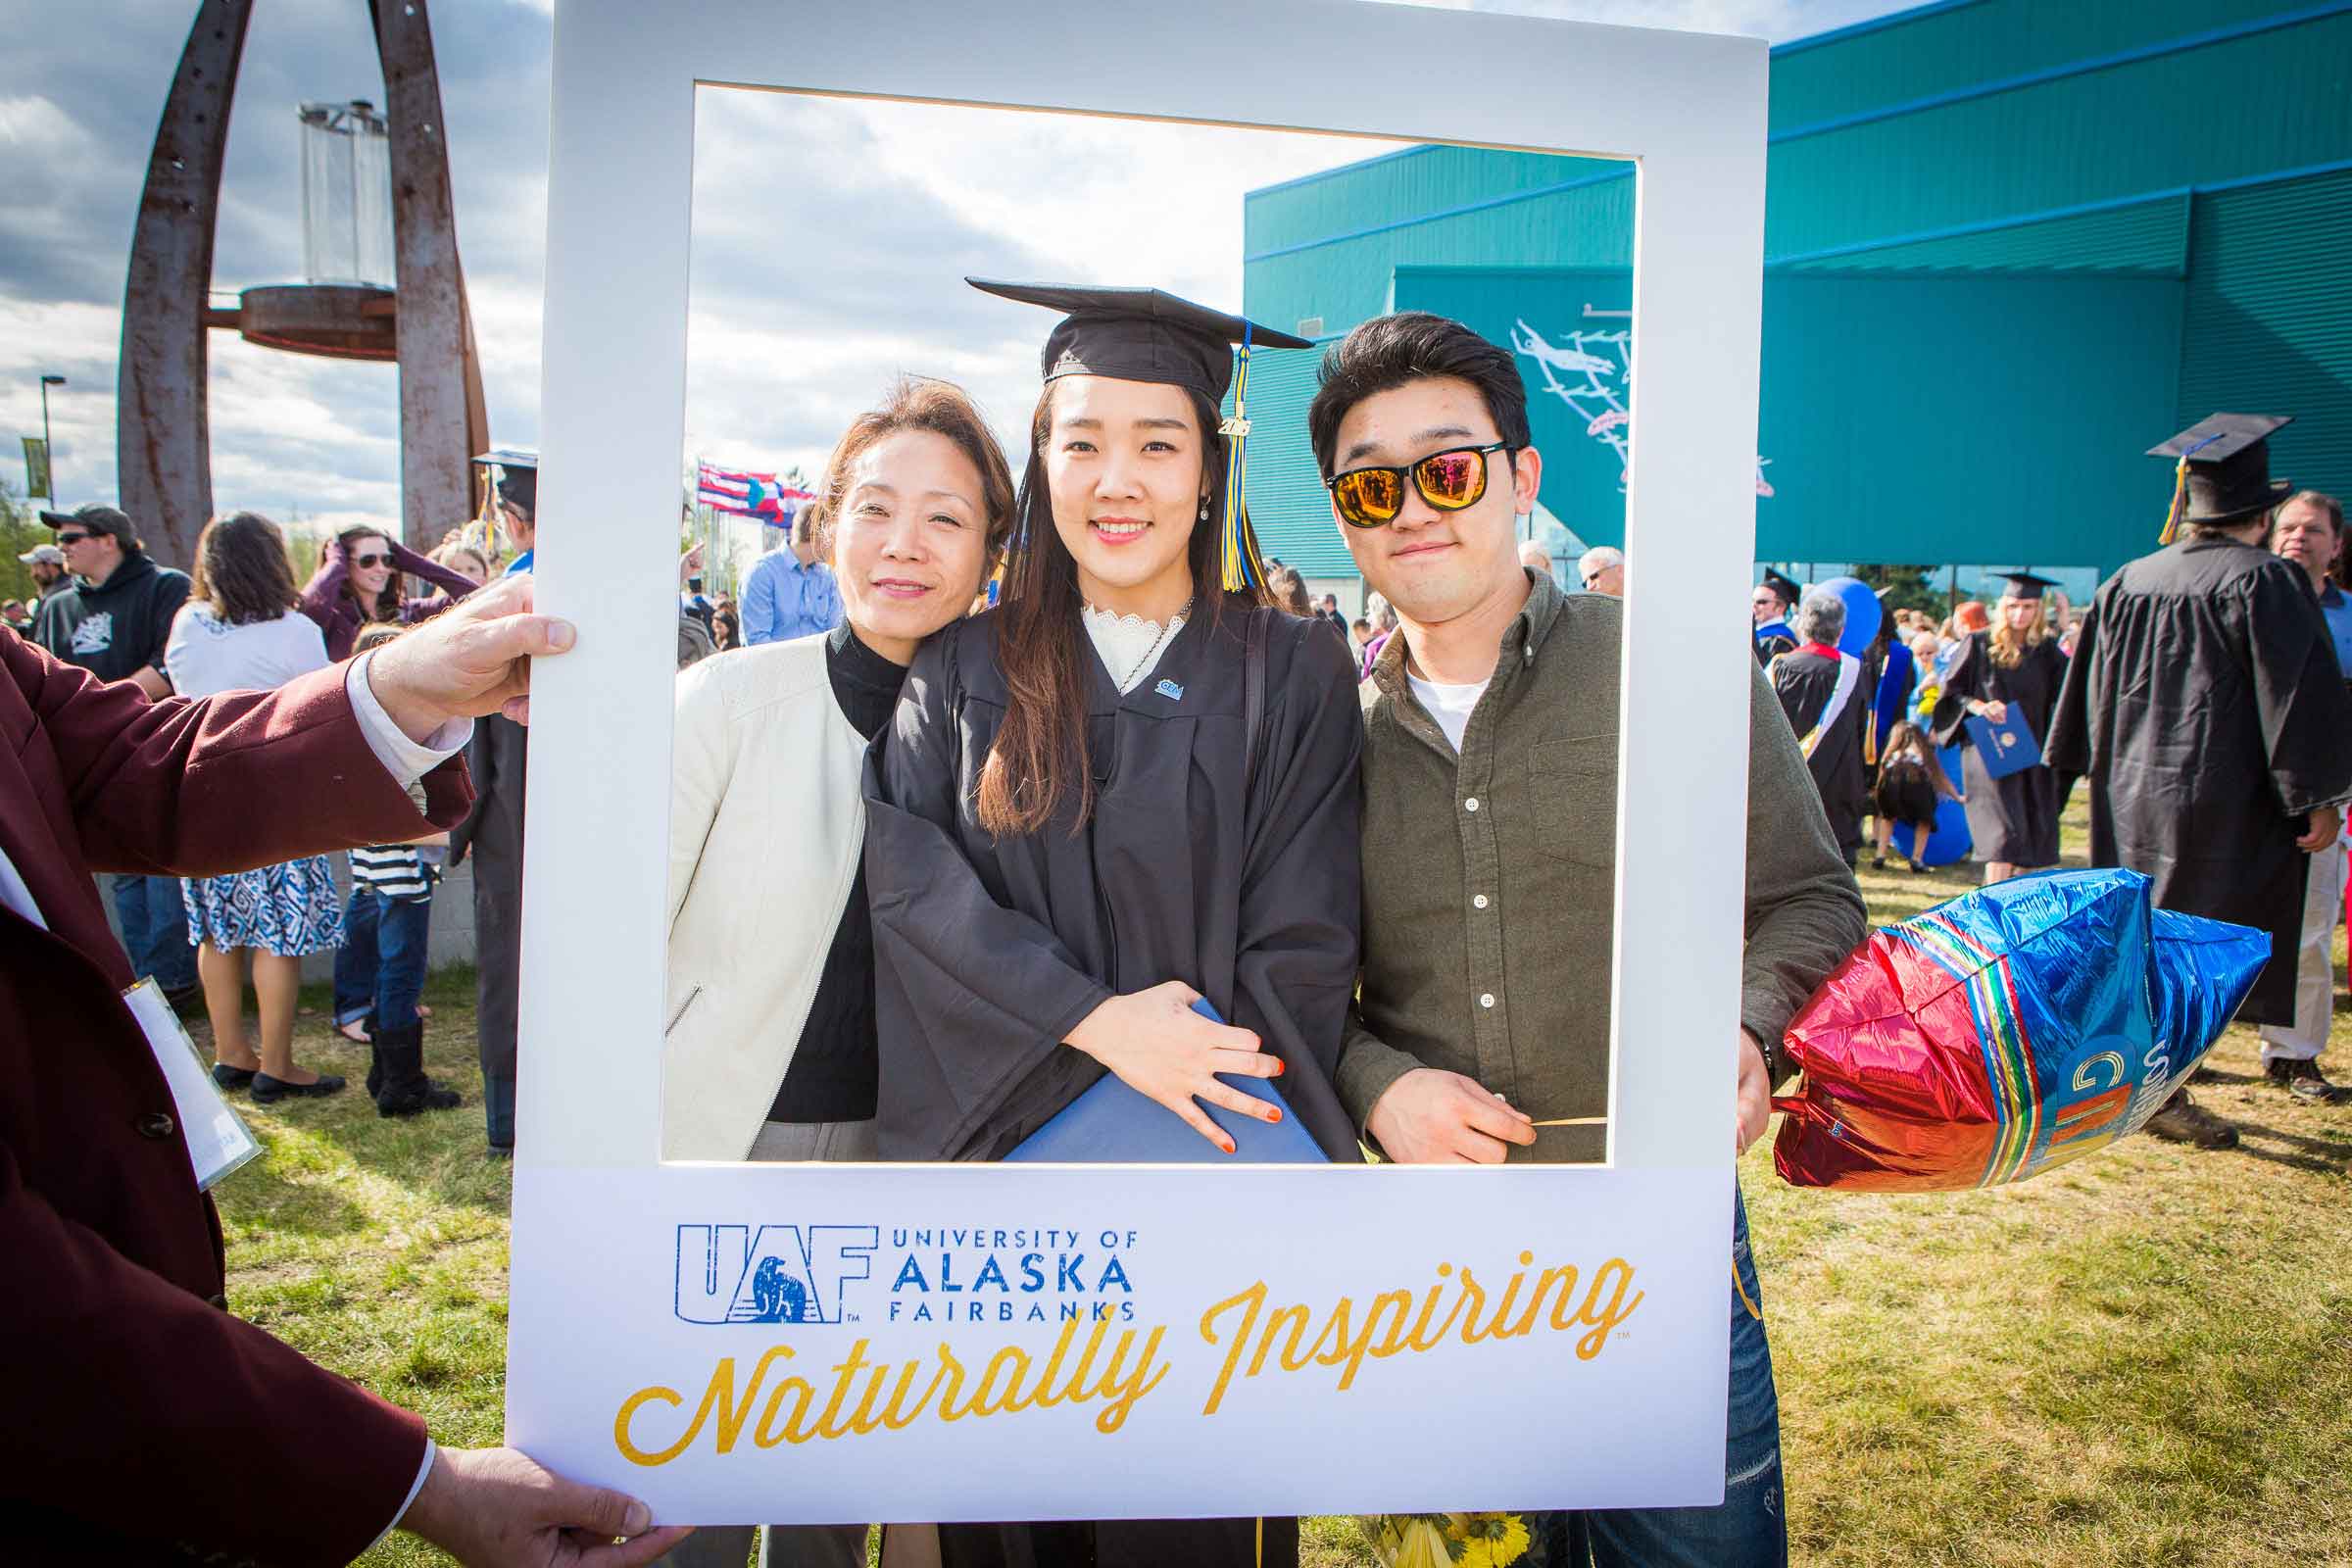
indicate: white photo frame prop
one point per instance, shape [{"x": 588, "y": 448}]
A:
[{"x": 1188, "y": 1398}]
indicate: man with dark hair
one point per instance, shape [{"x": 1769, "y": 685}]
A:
[
  {"x": 113, "y": 619},
  {"x": 1330, "y": 610},
  {"x": 1770, "y": 604},
  {"x": 789, "y": 593},
  {"x": 2205, "y": 706},
  {"x": 1491, "y": 745},
  {"x": 117, "y": 615}
]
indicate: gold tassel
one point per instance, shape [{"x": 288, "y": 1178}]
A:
[
  {"x": 1241, "y": 568},
  {"x": 2172, "y": 520}
]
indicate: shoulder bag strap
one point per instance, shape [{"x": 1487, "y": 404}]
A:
[{"x": 1253, "y": 695}]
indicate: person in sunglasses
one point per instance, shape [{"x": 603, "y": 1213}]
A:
[
  {"x": 1074, "y": 831},
  {"x": 1489, "y": 850},
  {"x": 1601, "y": 570},
  {"x": 113, "y": 617},
  {"x": 358, "y": 581}
]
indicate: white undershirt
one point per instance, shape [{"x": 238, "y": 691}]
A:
[
  {"x": 1130, "y": 646},
  {"x": 407, "y": 761},
  {"x": 1449, "y": 706}
]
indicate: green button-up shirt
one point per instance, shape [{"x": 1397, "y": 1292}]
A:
[{"x": 1489, "y": 876}]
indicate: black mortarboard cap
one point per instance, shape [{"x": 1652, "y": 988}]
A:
[
  {"x": 1787, "y": 587},
  {"x": 2027, "y": 584},
  {"x": 1139, "y": 335},
  {"x": 1146, "y": 334},
  {"x": 515, "y": 470},
  {"x": 2222, "y": 472}
]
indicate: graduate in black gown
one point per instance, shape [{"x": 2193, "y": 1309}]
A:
[
  {"x": 1071, "y": 833},
  {"x": 2008, "y": 673},
  {"x": 1826, "y": 698},
  {"x": 1774, "y": 601},
  {"x": 2204, "y": 704}
]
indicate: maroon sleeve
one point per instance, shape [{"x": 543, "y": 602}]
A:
[
  {"x": 182, "y": 788},
  {"x": 145, "y": 1408},
  {"x": 324, "y": 601},
  {"x": 455, "y": 585}
]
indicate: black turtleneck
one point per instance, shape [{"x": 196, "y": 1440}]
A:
[{"x": 833, "y": 1070}]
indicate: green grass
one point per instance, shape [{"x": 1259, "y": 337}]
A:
[{"x": 2141, "y": 1358}]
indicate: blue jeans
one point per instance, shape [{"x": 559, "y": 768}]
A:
[
  {"x": 379, "y": 970},
  {"x": 155, "y": 929},
  {"x": 1750, "y": 1529}
]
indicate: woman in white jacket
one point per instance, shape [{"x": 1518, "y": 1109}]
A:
[{"x": 769, "y": 1054}]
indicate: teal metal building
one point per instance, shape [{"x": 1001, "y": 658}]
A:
[{"x": 2009, "y": 245}]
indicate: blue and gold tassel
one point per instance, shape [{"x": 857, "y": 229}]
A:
[
  {"x": 1241, "y": 569},
  {"x": 2172, "y": 520}
]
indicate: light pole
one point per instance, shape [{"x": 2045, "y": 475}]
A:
[{"x": 48, "y": 452}]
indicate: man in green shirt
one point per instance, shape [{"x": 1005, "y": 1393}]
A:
[{"x": 1490, "y": 773}]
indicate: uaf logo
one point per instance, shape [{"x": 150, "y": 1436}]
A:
[{"x": 783, "y": 1274}]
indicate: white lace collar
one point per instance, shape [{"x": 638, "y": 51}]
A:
[{"x": 1130, "y": 646}]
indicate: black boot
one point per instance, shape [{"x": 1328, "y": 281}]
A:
[
  {"x": 406, "y": 1090},
  {"x": 375, "y": 1060}
]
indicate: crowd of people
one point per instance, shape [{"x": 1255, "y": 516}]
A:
[
  {"x": 968, "y": 675},
  {"x": 2202, "y": 697}
]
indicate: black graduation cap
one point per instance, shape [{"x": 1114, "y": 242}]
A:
[
  {"x": 2222, "y": 472},
  {"x": 2027, "y": 584},
  {"x": 1790, "y": 590},
  {"x": 1141, "y": 334},
  {"x": 1146, "y": 334},
  {"x": 515, "y": 472}
]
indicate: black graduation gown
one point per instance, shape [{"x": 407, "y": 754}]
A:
[
  {"x": 498, "y": 758},
  {"x": 988, "y": 952},
  {"x": 2013, "y": 819},
  {"x": 2204, "y": 704},
  {"x": 1805, "y": 682}
]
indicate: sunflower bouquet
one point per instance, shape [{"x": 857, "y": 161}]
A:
[{"x": 1451, "y": 1540}]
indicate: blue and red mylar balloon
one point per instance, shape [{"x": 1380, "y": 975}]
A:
[{"x": 2009, "y": 1030}]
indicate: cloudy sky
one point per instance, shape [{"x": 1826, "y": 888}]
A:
[{"x": 828, "y": 235}]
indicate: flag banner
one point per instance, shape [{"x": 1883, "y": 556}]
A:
[
  {"x": 36, "y": 468},
  {"x": 746, "y": 495}
]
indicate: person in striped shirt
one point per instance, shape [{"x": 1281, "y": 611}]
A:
[{"x": 379, "y": 970}]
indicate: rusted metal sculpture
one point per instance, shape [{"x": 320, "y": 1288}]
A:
[
  {"x": 163, "y": 434},
  {"x": 162, "y": 429},
  {"x": 443, "y": 420}
]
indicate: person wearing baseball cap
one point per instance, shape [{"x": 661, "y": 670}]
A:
[
  {"x": 112, "y": 616},
  {"x": 47, "y": 564},
  {"x": 114, "y": 621}
]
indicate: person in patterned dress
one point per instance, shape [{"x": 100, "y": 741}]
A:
[{"x": 242, "y": 630}]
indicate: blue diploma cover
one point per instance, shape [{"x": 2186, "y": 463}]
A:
[
  {"x": 1110, "y": 1124},
  {"x": 2006, "y": 747}
]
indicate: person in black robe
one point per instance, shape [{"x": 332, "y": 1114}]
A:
[
  {"x": 1822, "y": 691},
  {"x": 2009, "y": 674},
  {"x": 1045, "y": 912},
  {"x": 499, "y": 760},
  {"x": 1773, "y": 601},
  {"x": 2204, "y": 704}
]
